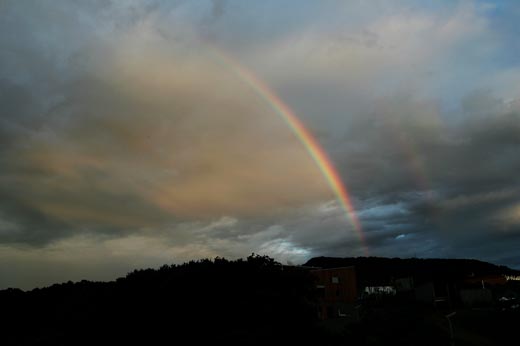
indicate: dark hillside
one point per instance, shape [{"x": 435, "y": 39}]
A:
[
  {"x": 234, "y": 302},
  {"x": 381, "y": 270}
]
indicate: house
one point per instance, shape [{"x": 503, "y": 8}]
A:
[
  {"x": 404, "y": 284},
  {"x": 379, "y": 291},
  {"x": 337, "y": 292},
  {"x": 486, "y": 280},
  {"x": 474, "y": 297},
  {"x": 440, "y": 293}
]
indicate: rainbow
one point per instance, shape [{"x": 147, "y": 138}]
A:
[
  {"x": 310, "y": 143},
  {"x": 413, "y": 160}
]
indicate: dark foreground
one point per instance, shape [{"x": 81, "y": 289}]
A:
[{"x": 246, "y": 302}]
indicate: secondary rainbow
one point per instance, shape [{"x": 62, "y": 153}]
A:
[
  {"x": 413, "y": 159},
  {"x": 312, "y": 146}
]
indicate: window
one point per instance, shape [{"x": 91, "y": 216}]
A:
[
  {"x": 321, "y": 292},
  {"x": 335, "y": 280}
]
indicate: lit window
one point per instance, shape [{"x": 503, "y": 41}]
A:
[{"x": 335, "y": 280}]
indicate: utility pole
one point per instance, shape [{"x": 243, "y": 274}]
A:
[{"x": 452, "y": 337}]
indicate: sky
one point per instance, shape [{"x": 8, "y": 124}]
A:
[{"x": 130, "y": 138}]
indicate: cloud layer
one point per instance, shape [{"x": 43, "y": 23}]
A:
[{"x": 126, "y": 142}]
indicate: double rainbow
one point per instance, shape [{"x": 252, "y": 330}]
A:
[{"x": 310, "y": 143}]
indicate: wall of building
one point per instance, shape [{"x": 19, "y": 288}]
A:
[
  {"x": 337, "y": 289},
  {"x": 476, "y": 297}
]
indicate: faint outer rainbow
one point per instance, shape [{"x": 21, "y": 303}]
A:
[
  {"x": 412, "y": 158},
  {"x": 312, "y": 146}
]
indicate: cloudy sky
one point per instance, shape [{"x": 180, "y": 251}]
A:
[{"x": 129, "y": 140}]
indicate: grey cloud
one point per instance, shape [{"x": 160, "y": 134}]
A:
[
  {"x": 401, "y": 145},
  {"x": 464, "y": 172},
  {"x": 138, "y": 133},
  {"x": 218, "y": 8},
  {"x": 123, "y": 137}
]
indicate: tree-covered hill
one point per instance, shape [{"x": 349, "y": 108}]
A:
[
  {"x": 381, "y": 270},
  {"x": 243, "y": 302}
]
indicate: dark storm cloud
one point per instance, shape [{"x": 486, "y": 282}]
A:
[
  {"x": 410, "y": 151},
  {"x": 452, "y": 180}
]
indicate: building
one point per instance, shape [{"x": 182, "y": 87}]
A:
[
  {"x": 337, "y": 292},
  {"x": 439, "y": 292},
  {"x": 404, "y": 284},
  {"x": 486, "y": 280}
]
